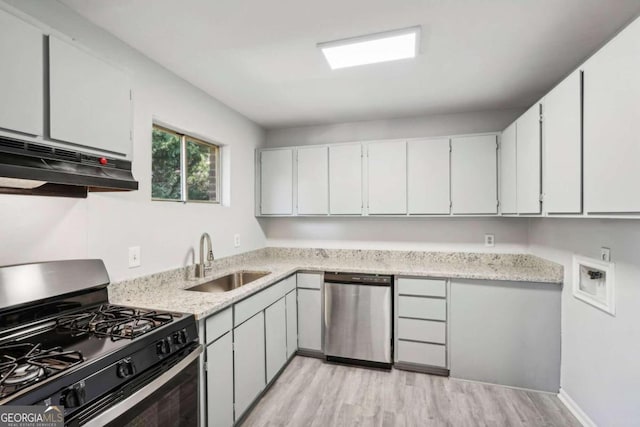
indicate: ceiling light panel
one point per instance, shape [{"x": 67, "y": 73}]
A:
[{"x": 371, "y": 49}]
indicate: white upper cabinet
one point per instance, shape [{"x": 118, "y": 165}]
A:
[
  {"x": 474, "y": 188},
  {"x": 508, "y": 176},
  {"x": 276, "y": 177},
  {"x": 387, "y": 177},
  {"x": 428, "y": 176},
  {"x": 563, "y": 147},
  {"x": 21, "y": 76},
  {"x": 345, "y": 179},
  {"x": 90, "y": 100},
  {"x": 612, "y": 125},
  {"x": 313, "y": 181},
  {"x": 528, "y": 167}
]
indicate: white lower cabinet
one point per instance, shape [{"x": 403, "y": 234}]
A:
[
  {"x": 275, "y": 320},
  {"x": 309, "y": 320},
  {"x": 421, "y": 324},
  {"x": 220, "y": 382},
  {"x": 506, "y": 333},
  {"x": 292, "y": 323},
  {"x": 249, "y": 366}
]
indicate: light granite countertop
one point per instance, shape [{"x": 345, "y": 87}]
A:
[{"x": 166, "y": 290}]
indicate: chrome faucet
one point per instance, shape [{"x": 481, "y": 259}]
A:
[{"x": 201, "y": 268}]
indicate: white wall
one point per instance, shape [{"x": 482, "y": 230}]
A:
[
  {"x": 600, "y": 353},
  {"x": 106, "y": 224},
  {"x": 411, "y": 127}
]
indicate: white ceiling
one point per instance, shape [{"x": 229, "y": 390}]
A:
[{"x": 260, "y": 56}]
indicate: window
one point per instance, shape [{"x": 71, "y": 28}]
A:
[{"x": 184, "y": 168}]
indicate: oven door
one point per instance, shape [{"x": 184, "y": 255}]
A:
[{"x": 169, "y": 399}]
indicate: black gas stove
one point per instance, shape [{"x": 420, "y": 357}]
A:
[{"x": 62, "y": 343}]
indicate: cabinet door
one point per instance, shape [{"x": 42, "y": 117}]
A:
[
  {"x": 345, "y": 179},
  {"x": 275, "y": 318},
  {"x": 248, "y": 366},
  {"x": 505, "y": 333},
  {"x": 563, "y": 147},
  {"x": 276, "y": 178},
  {"x": 309, "y": 320},
  {"x": 20, "y": 75},
  {"x": 313, "y": 181},
  {"x": 220, "y": 382},
  {"x": 428, "y": 176},
  {"x": 474, "y": 187},
  {"x": 90, "y": 100},
  {"x": 508, "y": 184},
  {"x": 528, "y": 166},
  {"x": 611, "y": 125},
  {"x": 387, "y": 177},
  {"x": 292, "y": 323}
]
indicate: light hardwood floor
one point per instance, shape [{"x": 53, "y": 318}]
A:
[{"x": 311, "y": 392}]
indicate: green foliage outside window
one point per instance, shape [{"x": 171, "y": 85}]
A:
[{"x": 201, "y": 167}]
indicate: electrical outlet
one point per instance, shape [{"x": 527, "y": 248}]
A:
[
  {"x": 236, "y": 240},
  {"x": 134, "y": 256},
  {"x": 489, "y": 240},
  {"x": 605, "y": 254}
]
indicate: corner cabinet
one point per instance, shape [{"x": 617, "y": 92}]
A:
[
  {"x": 21, "y": 80},
  {"x": 474, "y": 175},
  {"x": 505, "y": 333},
  {"x": 89, "y": 100}
]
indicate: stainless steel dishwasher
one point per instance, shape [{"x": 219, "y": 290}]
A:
[{"x": 357, "y": 318}]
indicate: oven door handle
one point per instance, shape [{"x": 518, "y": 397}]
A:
[{"x": 115, "y": 411}]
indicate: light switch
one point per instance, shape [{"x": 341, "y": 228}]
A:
[{"x": 134, "y": 256}]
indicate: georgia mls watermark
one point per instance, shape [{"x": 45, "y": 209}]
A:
[{"x": 31, "y": 416}]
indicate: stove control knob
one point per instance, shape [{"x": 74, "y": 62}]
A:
[
  {"x": 180, "y": 337},
  {"x": 125, "y": 368},
  {"x": 163, "y": 347},
  {"x": 74, "y": 396}
]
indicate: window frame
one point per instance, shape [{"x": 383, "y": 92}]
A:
[{"x": 184, "y": 137}]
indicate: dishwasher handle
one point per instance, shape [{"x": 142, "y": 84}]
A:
[{"x": 357, "y": 279}]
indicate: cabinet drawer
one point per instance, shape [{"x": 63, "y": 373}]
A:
[
  {"x": 218, "y": 325},
  {"x": 423, "y": 287},
  {"x": 422, "y": 308},
  {"x": 422, "y": 330},
  {"x": 258, "y": 302},
  {"x": 422, "y": 353},
  {"x": 309, "y": 280}
]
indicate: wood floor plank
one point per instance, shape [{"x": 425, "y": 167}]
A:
[{"x": 313, "y": 393}]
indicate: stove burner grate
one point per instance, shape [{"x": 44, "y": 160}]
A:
[
  {"x": 115, "y": 322},
  {"x": 22, "y": 364}
]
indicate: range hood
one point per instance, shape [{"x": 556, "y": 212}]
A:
[{"x": 37, "y": 169}]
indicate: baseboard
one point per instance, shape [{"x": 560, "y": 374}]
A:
[
  {"x": 310, "y": 353},
  {"x": 577, "y": 412}
]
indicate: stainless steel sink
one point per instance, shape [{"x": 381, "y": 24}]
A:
[{"x": 229, "y": 282}]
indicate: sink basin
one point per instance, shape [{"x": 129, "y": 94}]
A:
[{"x": 229, "y": 282}]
